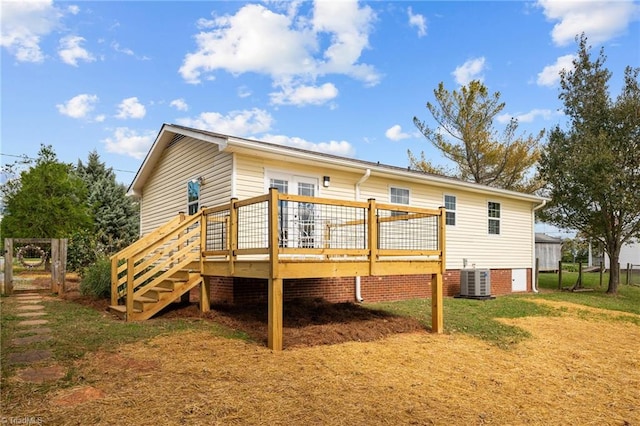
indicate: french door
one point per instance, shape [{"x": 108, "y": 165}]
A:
[{"x": 296, "y": 220}]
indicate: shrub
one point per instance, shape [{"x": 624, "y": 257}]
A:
[
  {"x": 96, "y": 279},
  {"x": 82, "y": 251}
]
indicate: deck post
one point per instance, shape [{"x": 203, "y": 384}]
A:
[
  {"x": 275, "y": 290},
  {"x": 205, "y": 295},
  {"x": 114, "y": 280},
  {"x": 274, "y": 336},
  {"x": 437, "y": 311},
  {"x": 372, "y": 220},
  {"x": 232, "y": 234}
]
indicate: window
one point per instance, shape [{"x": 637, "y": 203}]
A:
[
  {"x": 398, "y": 196},
  {"x": 450, "y": 205},
  {"x": 493, "y": 210},
  {"x": 193, "y": 196}
]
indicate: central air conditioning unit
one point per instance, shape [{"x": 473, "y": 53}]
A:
[{"x": 475, "y": 283}]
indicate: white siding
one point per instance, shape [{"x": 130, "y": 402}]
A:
[{"x": 165, "y": 192}]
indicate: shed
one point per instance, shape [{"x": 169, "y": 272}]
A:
[{"x": 548, "y": 252}]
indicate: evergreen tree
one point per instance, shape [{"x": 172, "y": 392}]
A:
[{"x": 115, "y": 216}]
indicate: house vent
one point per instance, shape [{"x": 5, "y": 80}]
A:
[
  {"x": 175, "y": 140},
  {"x": 475, "y": 283}
]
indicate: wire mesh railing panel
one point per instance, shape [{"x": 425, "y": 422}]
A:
[
  {"x": 399, "y": 230},
  {"x": 253, "y": 226},
  {"x": 322, "y": 226},
  {"x": 217, "y": 230}
]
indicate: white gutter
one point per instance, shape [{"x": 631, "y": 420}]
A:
[
  {"x": 364, "y": 177},
  {"x": 533, "y": 257},
  {"x": 360, "y": 182}
]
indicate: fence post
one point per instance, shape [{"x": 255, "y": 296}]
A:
[
  {"x": 8, "y": 266},
  {"x": 560, "y": 275},
  {"x": 536, "y": 273},
  {"x": 628, "y": 267},
  {"x": 601, "y": 273}
]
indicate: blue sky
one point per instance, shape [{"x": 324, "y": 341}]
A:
[{"x": 343, "y": 77}]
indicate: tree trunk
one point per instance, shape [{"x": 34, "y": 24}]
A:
[{"x": 614, "y": 271}]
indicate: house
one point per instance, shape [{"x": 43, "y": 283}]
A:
[
  {"x": 629, "y": 255},
  {"x": 548, "y": 252},
  {"x": 188, "y": 169}
]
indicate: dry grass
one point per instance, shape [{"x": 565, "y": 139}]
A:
[{"x": 576, "y": 369}]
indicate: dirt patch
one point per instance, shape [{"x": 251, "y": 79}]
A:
[{"x": 78, "y": 395}]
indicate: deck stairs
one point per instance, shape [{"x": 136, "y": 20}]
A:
[{"x": 159, "y": 269}]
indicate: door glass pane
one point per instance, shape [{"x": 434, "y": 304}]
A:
[
  {"x": 283, "y": 214},
  {"x": 306, "y": 216}
]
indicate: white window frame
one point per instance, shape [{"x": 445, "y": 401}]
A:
[
  {"x": 450, "y": 211},
  {"x": 195, "y": 202},
  {"x": 391, "y": 188},
  {"x": 293, "y": 180},
  {"x": 491, "y": 219}
]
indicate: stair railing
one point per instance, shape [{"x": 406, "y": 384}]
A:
[{"x": 172, "y": 247}]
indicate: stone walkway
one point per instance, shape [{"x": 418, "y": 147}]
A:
[{"x": 32, "y": 365}]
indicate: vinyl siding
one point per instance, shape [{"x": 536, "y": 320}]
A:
[{"x": 165, "y": 193}]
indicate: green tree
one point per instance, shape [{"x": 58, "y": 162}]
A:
[
  {"x": 115, "y": 216},
  {"x": 592, "y": 169},
  {"x": 46, "y": 201},
  {"x": 465, "y": 134}
]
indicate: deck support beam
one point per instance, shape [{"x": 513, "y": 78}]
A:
[
  {"x": 205, "y": 295},
  {"x": 274, "y": 339},
  {"x": 437, "y": 315}
]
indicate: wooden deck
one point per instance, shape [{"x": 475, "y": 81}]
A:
[{"x": 275, "y": 237}]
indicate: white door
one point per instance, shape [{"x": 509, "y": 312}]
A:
[
  {"x": 518, "y": 280},
  {"x": 296, "y": 221}
]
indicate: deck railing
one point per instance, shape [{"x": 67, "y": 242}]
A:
[{"x": 294, "y": 226}]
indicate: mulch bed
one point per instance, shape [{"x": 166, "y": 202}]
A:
[{"x": 306, "y": 322}]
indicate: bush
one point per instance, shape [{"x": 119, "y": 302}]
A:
[
  {"x": 82, "y": 251},
  {"x": 96, "y": 279}
]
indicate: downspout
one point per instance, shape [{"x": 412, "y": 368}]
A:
[
  {"x": 360, "y": 182},
  {"x": 533, "y": 268}
]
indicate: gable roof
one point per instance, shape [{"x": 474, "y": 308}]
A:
[
  {"x": 229, "y": 143},
  {"x": 547, "y": 239}
]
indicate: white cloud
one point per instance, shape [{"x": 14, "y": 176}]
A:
[
  {"x": 179, "y": 104},
  {"x": 395, "y": 133},
  {"x": 304, "y": 95},
  {"x": 79, "y": 106},
  {"x": 131, "y": 108},
  {"x": 527, "y": 117},
  {"x": 23, "y": 24},
  {"x": 599, "y": 20},
  {"x": 244, "y": 92},
  {"x": 70, "y": 50},
  {"x": 470, "y": 70},
  {"x": 285, "y": 46},
  {"x": 550, "y": 74},
  {"x": 73, "y": 9},
  {"x": 341, "y": 148},
  {"x": 116, "y": 46},
  {"x": 240, "y": 123},
  {"x": 130, "y": 142},
  {"x": 418, "y": 21}
]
